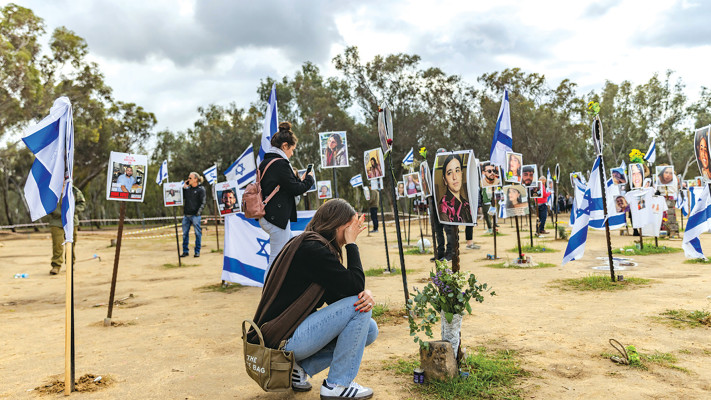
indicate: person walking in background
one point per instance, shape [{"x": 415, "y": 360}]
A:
[
  {"x": 542, "y": 208},
  {"x": 193, "y": 203},
  {"x": 276, "y": 171},
  {"x": 373, "y": 204},
  {"x": 57, "y": 230}
]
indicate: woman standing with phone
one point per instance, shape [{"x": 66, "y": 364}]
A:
[{"x": 277, "y": 174}]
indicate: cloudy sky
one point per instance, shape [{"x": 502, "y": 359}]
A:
[{"x": 172, "y": 56}]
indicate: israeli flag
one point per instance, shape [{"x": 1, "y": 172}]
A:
[
  {"x": 502, "y": 212},
  {"x": 576, "y": 244},
  {"x": 651, "y": 155},
  {"x": 409, "y": 158},
  {"x": 162, "y": 173},
  {"x": 270, "y": 124},
  {"x": 551, "y": 196},
  {"x": 357, "y": 181},
  {"x": 211, "y": 174},
  {"x": 623, "y": 166},
  {"x": 579, "y": 193},
  {"x": 503, "y": 138},
  {"x": 698, "y": 223},
  {"x": 243, "y": 170},
  {"x": 247, "y": 250},
  {"x": 51, "y": 175},
  {"x": 682, "y": 202}
]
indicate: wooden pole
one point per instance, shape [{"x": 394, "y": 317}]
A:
[
  {"x": 518, "y": 239},
  {"x": 385, "y": 234},
  {"x": 119, "y": 235},
  {"x": 455, "y": 268},
  {"x": 69, "y": 328},
  {"x": 177, "y": 243}
]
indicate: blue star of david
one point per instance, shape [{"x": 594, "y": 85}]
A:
[
  {"x": 240, "y": 169},
  {"x": 263, "y": 251}
]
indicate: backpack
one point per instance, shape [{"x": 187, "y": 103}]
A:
[{"x": 252, "y": 203}]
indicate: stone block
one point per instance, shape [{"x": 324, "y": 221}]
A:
[{"x": 438, "y": 361}]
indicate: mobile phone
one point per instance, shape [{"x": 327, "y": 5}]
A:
[{"x": 309, "y": 168}]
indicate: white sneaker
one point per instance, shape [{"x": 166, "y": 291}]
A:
[
  {"x": 353, "y": 391},
  {"x": 299, "y": 379}
]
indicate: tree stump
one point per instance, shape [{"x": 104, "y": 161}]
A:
[{"x": 438, "y": 361}]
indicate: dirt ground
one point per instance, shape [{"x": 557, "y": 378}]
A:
[{"x": 173, "y": 340}]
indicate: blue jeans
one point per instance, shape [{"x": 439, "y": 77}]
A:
[
  {"x": 542, "y": 215},
  {"x": 193, "y": 220},
  {"x": 333, "y": 336},
  {"x": 277, "y": 240}
]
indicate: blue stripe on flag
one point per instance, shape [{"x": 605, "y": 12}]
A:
[
  {"x": 236, "y": 267},
  {"x": 43, "y": 177},
  {"x": 247, "y": 177},
  {"x": 43, "y": 137}
]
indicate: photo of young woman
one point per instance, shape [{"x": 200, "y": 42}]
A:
[
  {"x": 636, "y": 176},
  {"x": 401, "y": 190},
  {"x": 425, "y": 179},
  {"x": 516, "y": 200},
  {"x": 665, "y": 175},
  {"x": 412, "y": 184},
  {"x": 701, "y": 149},
  {"x": 451, "y": 176},
  {"x": 514, "y": 165},
  {"x": 618, "y": 176},
  {"x": 334, "y": 151},
  {"x": 373, "y": 161}
]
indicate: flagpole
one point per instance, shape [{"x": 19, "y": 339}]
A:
[
  {"x": 69, "y": 329},
  {"x": 119, "y": 235}
]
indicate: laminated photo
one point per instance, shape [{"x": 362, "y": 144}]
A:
[
  {"x": 536, "y": 192},
  {"x": 516, "y": 200},
  {"x": 701, "y": 150},
  {"x": 126, "y": 177},
  {"x": 513, "y": 167},
  {"x": 455, "y": 181},
  {"x": 490, "y": 175},
  {"x": 426, "y": 179},
  {"x": 334, "y": 149},
  {"x": 173, "y": 194},
  {"x": 313, "y": 175},
  {"x": 529, "y": 176},
  {"x": 664, "y": 175},
  {"x": 228, "y": 197},
  {"x": 374, "y": 163},
  {"x": 412, "y": 184},
  {"x": 618, "y": 176},
  {"x": 366, "y": 193},
  {"x": 636, "y": 172},
  {"x": 324, "y": 189},
  {"x": 401, "y": 190}
]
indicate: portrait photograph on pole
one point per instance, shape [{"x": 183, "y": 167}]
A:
[
  {"x": 374, "y": 163},
  {"x": 701, "y": 150},
  {"x": 536, "y": 192},
  {"x": 401, "y": 190},
  {"x": 228, "y": 197},
  {"x": 618, "y": 176},
  {"x": 412, "y": 184},
  {"x": 636, "y": 172},
  {"x": 126, "y": 177},
  {"x": 426, "y": 179},
  {"x": 456, "y": 187},
  {"x": 516, "y": 200},
  {"x": 324, "y": 189},
  {"x": 664, "y": 176},
  {"x": 513, "y": 167},
  {"x": 333, "y": 149},
  {"x": 490, "y": 175},
  {"x": 529, "y": 176},
  {"x": 173, "y": 194}
]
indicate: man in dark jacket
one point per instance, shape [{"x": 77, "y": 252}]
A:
[{"x": 193, "y": 203}]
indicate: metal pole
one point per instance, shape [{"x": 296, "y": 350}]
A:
[
  {"x": 119, "y": 235},
  {"x": 556, "y": 210},
  {"x": 518, "y": 239},
  {"x": 530, "y": 217},
  {"x": 177, "y": 243},
  {"x": 493, "y": 226},
  {"x": 393, "y": 183},
  {"x": 217, "y": 217},
  {"x": 419, "y": 223},
  {"x": 431, "y": 211},
  {"x": 607, "y": 221},
  {"x": 385, "y": 234},
  {"x": 409, "y": 220},
  {"x": 335, "y": 183}
]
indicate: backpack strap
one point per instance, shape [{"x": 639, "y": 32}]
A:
[{"x": 259, "y": 180}]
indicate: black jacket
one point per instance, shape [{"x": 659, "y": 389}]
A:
[
  {"x": 193, "y": 200},
  {"x": 281, "y": 208}
]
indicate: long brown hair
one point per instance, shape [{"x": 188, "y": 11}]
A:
[{"x": 328, "y": 218}]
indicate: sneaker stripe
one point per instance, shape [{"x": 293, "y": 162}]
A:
[
  {"x": 343, "y": 393},
  {"x": 355, "y": 391}
]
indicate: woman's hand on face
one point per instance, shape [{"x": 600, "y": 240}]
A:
[
  {"x": 365, "y": 301},
  {"x": 354, "y": 228}
]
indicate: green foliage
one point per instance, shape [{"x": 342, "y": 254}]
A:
[
  {"x": 687, "y": 318},
  {"x": 175, "y": 265},
  {"x": 593, "y": 108},
  {"x": 697, "y": 261},
  {"x": 600, "y": 283},
  {"x": 383, "y": 272},
  {"x": 514, "y": 266},
  {"x": 446, "y": 292},
  {"x": 219, "y": 287},
  {"x": 649, "y": 248},
  {"x": 533, "y": 249},
  {"x": 416, "y": 251},
  {"x": 562, "y": 233},
  {"x": 493, "y": 374}
]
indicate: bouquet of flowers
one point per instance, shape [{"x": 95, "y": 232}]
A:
[
  {"x": 636, "y": 156},
  {"x": 447, "y": 293}
]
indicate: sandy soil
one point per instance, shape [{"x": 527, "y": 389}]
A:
[{"x": 175, "y": 341}]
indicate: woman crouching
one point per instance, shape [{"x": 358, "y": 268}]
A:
[{"x": 307, "y": 273}]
